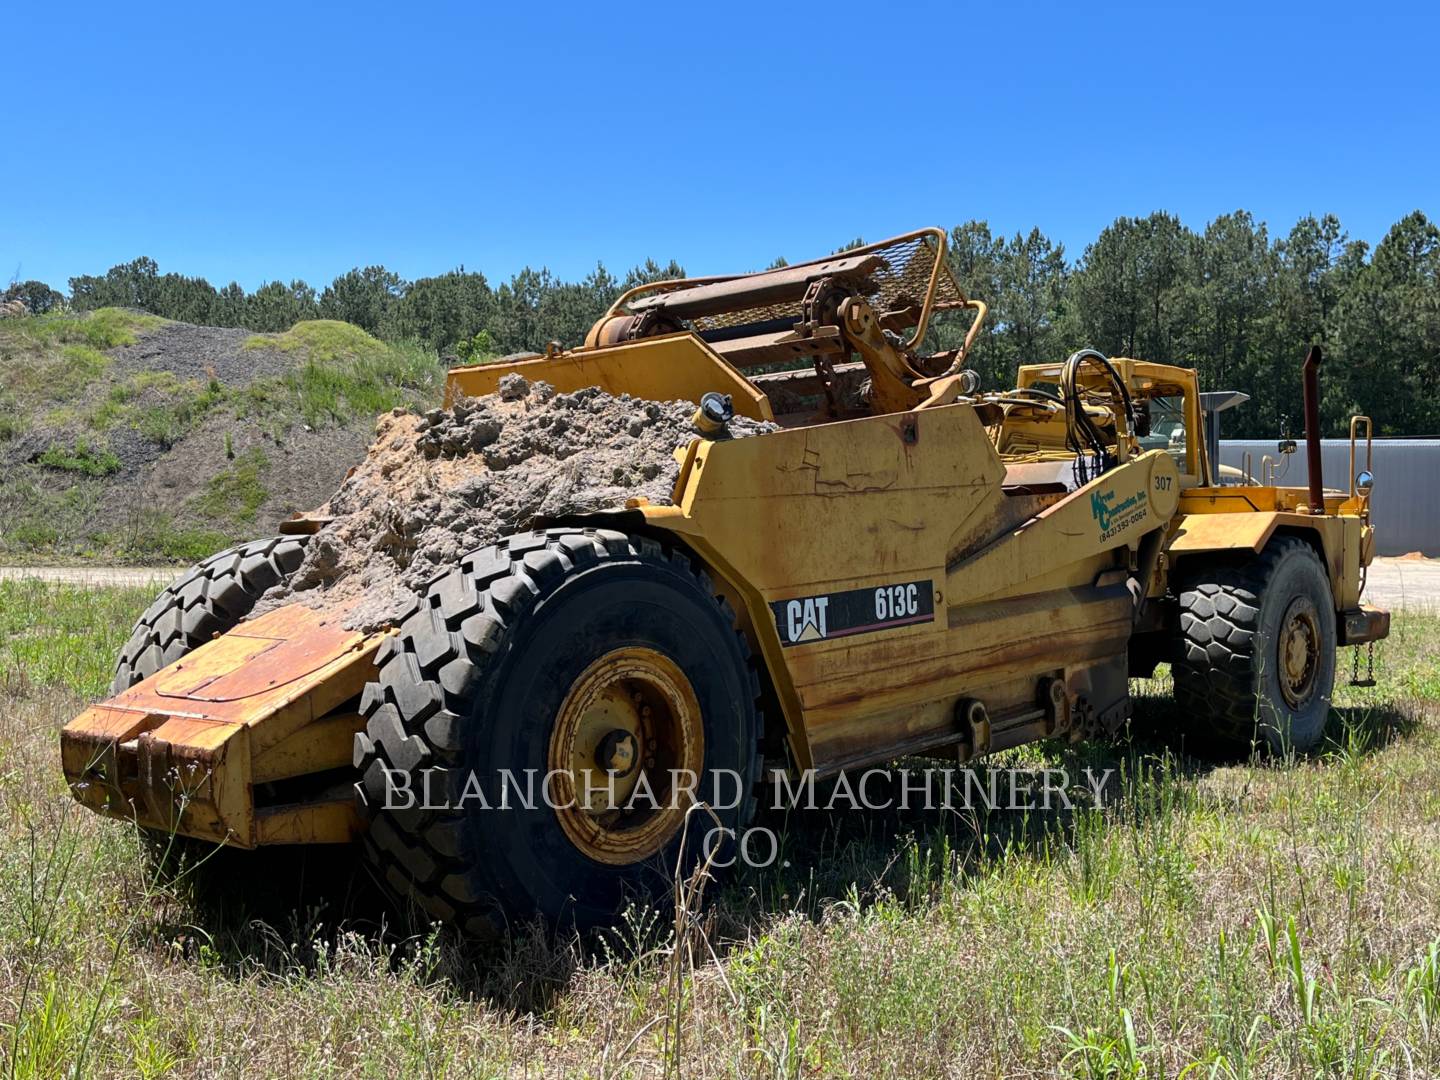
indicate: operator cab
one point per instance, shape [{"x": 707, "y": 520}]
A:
[{"x": 1036, "y": 437}]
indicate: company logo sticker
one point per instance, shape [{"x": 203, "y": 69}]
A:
[
  {"x": 855, "y": 611},
  {"x": 1115, "y": 515}
]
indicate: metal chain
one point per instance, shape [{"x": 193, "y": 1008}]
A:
[{"x": 1369, "y": 679}]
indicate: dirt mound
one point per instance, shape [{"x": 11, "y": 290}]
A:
[
  {"x": 126, "y": 438},
  {"x": 202, "y": 352},
  {"x": 438, "y": 485}
]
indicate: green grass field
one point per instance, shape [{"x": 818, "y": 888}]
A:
[{"x": 1258, "y": 919}]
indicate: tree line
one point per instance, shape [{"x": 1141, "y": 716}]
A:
[
  {"x": 1232, "y": 301},
  {"x": 446, "y": 312}
]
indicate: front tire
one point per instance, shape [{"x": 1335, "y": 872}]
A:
[
  {"x": 553, "y": 653},
  {"x": 1256, "y": 656}
]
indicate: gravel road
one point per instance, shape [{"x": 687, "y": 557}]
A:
[
  {"x": 1404, "y": 584},
  {"x": 1397, "y": 584},
  {"x": 94, "y": 576}
]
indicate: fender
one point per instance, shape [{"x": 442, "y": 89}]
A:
[{"x": 1197, "y": 534}]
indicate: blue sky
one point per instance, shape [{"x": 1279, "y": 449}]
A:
[{"x": 254, "y": 141}]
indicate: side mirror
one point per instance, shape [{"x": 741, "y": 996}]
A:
[
  {"x": 1286, "y": 446},
  {"x": 1364, "y": 482}
]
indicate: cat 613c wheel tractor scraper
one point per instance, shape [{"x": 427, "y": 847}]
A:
[{"x": 905, "y": 564}]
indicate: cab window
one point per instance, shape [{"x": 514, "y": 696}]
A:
[{"x": 1168, "y": 431}]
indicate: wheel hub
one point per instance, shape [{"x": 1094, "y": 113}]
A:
[
  {"x": 1298, "y": 652},
  {"x": 626, "y": 738},
  {"x": 617, "y": 753}
]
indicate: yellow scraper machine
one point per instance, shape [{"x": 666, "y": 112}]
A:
[{"x": 906, "y": 564}]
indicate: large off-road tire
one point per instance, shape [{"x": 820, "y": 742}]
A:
[
  {"x": 208, "y": 599},
  {"x": 1255, "y": 662},
  {"x": 517, "y": 660}
]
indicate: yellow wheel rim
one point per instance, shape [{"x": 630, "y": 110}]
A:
[
  {"x": 628, "y": 740},
  {"x": 1299, "y": 651}
]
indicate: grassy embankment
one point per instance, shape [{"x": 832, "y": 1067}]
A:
[
  {"x": 1256, "y": 919},
  {"x": 57, "y": 380}
]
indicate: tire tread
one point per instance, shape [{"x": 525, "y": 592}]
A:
[
  {"x": 445, "y": 642},
  {"x": 1215, "y": 667},
  {"x": 208, "y": 599}
]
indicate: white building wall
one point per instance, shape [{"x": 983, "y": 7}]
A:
[{"x": 1405, "y": 505}]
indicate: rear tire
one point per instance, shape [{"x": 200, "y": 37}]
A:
[
  {"x": 1256, "y": 650},
  {"x": 483, "y": 681}
]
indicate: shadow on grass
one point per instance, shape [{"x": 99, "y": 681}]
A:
[
  {"x": 857, "y": 855},
  {"x": 1151, "y": 771},
  {"x": 293, "y": 911},
  {"x": 1351, "y": 729},
  {"x": 1367, "y": 729},
  {"x": 259, "y": 909},
  {"x": 285, "y": 911}
]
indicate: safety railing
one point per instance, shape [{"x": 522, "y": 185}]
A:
[{"x": 1355, "y": 423}]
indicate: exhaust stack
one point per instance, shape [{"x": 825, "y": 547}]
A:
[{"x": 1313, "y": 465}]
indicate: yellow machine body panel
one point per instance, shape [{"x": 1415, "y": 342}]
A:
[
  {"x": 1228, "y": 521},
  {"x": 1044, "y": 434},
  {"x": 675, "y": 367},
  {"x": 1212, "y": 519},
  {"x": 889, "y": 572},
  {"x": 188, "y": 748}
]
